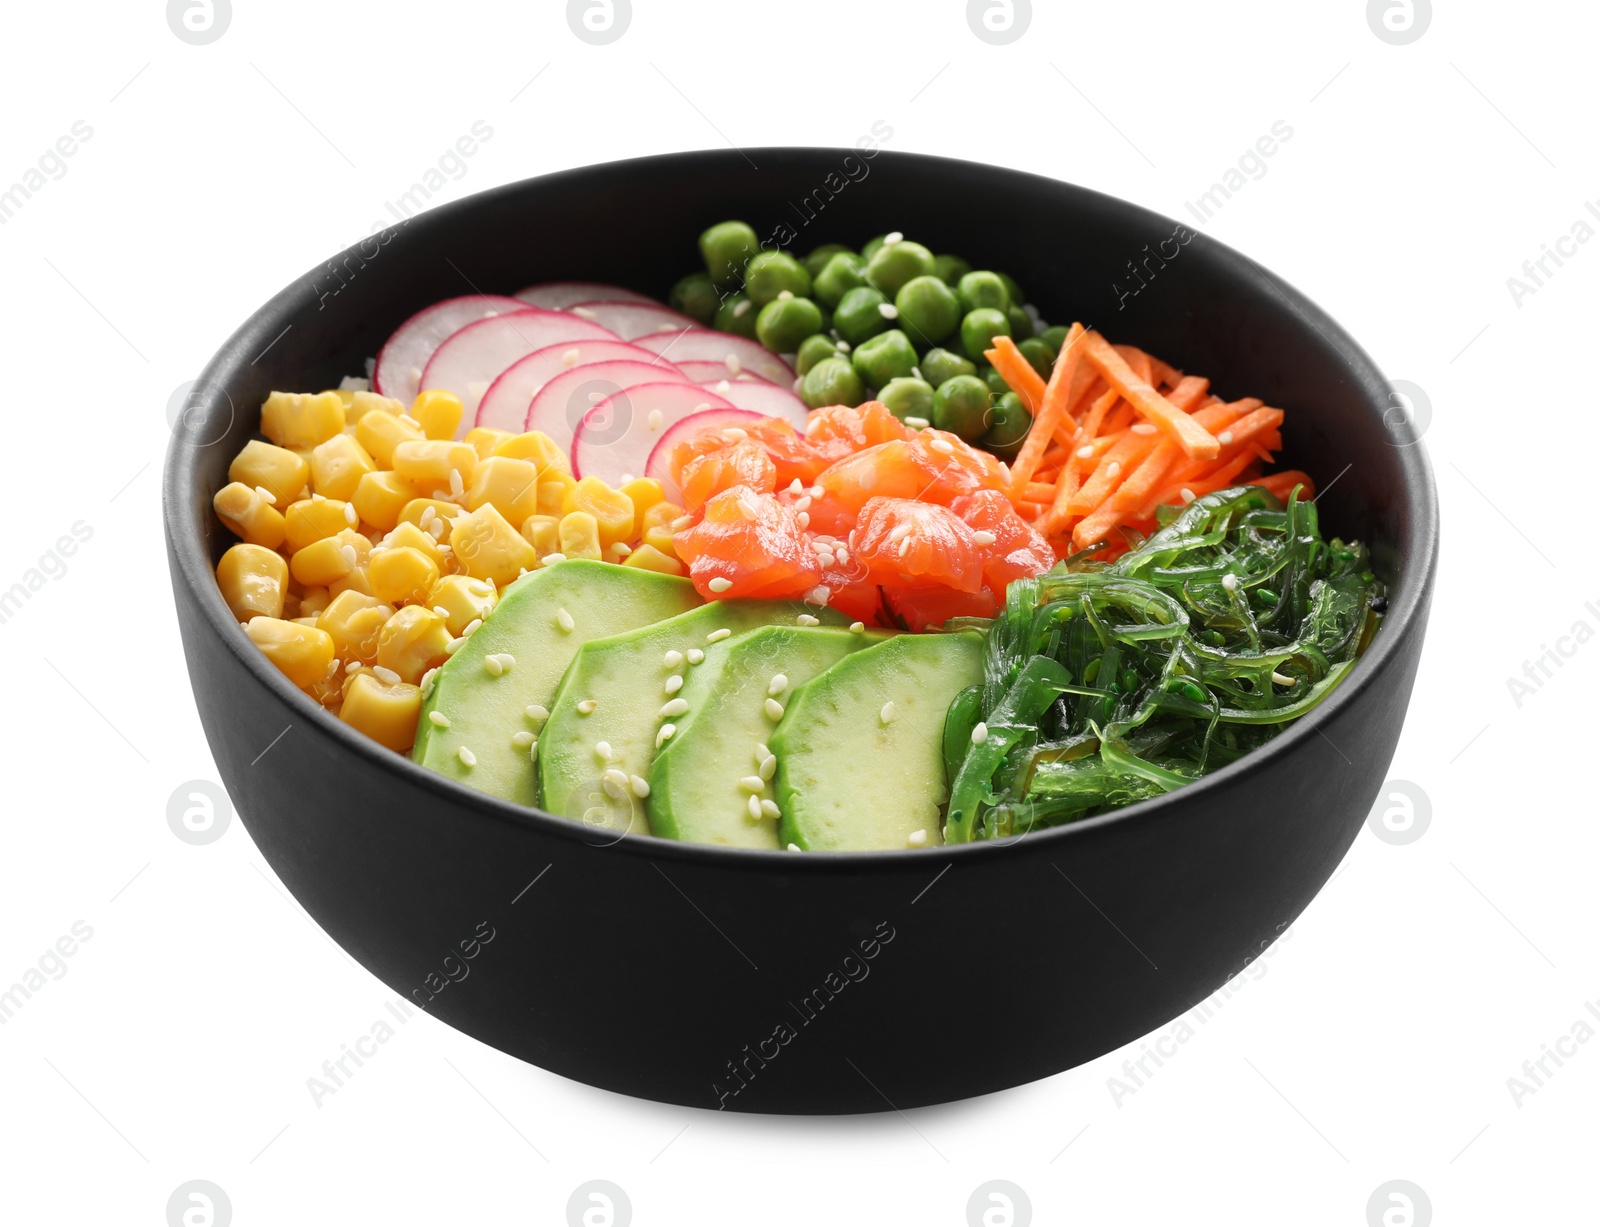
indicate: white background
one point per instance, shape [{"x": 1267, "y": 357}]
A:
[{"x": 1374, "y": 1044}]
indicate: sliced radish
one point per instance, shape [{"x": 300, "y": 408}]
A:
[
  {"x": 767, "y": 398},
  {"x": 505, "y": 405},
  {"x": 704, "y": 345},
  {"x": 472, "y": 358},
  {"x": 633, "y": 319},
  {"x": 562, "y": 403},
  {"x": 398, "y": 372},
  {"x": 559, "y": 295},
  {"x": 684, "y": 428},
  {"x": 709, "y": 373},
  {"x": 615, "y": 438}
]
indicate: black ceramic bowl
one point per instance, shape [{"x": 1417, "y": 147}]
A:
[{"x": 773, "y": 982}]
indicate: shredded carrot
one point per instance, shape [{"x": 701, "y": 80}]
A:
[
  {"x": 1191, "y": 437},
  {"x": 1138, "y": 362},
  {"x": 1280, "y": 484},
  {"x": 1052, "y": 406},
  {"x": 1018, "y": 373},
  {"x": 1122, "y": 458}
]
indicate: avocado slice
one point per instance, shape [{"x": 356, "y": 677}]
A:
[
  {"x": 612, "y": 698},
  {"x": 695, "y": 789},
  {"x": 486, "y": 712},
  {"x": 858, "y": 775}
]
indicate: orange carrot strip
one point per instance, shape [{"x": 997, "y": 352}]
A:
[
  {"x": 1139, "y": 484},
  {"x": 1138, "y": 362},
  {"x": 1118, "y": 420},
  {"x": 1096, "y": 414},
  {"x": 1281, "y": 483},
  {"x": 1017, "y": 371},
  {"x": 1034, "y": 492},
  {"x": 1051, "y": 409},
  {"x": 1121, "y": 460},
  {"x": 1193, "y": 438}
]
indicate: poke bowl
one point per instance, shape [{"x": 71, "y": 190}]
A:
[{"x": 765, "y": 665}]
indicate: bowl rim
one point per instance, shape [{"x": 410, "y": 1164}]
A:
[{"x": 1408, "y": 596}]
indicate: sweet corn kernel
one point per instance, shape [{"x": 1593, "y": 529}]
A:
[
  {"x": 356, "y": 581},
  {"x": 312, "y": 519},
  {"x": 611, "y": 509},
  {"x": 489, "y": 548},
  {"x": 536, "y": 447},
  {"x": 301, "y": 653},
  {"x": 275, "y": 469},
  {"x": 579, "y": 535},
  {"x": 658, "y": 530},
  {"x": 413, "y": 641},
  {"x": 542, "y": 533},
  {"x": 313, "y": 600},
  {"x": 354, "y": 620},
  {"x": 553, "y": 487},
  {"x": 254, "y": 581},
  {"x": 438, "y": 413},
  {"x": 381, "y": 433},
  {"x": 380, "y": 497},
  {"x": 248, "y": 515},
  {"x": 464, "y": 600},
  {"x": 406, "y": 535},
  {"x": 644, "y": 493},
  {"x": 363, "y": 403},
  {"x": 330, "y": 559},
  {"x": 484, "y": 440},
  {"x": 401, "y": 573},
  {"x": 511, "y": 485},
  {"x": 648, "y": 558},
  {"x": 338, "y": 466},
  {"x": 385, "y": 711},
  {"x": 428, "y": 463},
  {"x": 301, "y": 419}
]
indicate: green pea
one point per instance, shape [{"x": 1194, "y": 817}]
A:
[
  {"x": 887, "y": 356},
  {"x": 737, "y": 314},
  {"x": 725, "y": 247},
  {"x": 1021, "y": 323},
  {"x": 894, "y": 264},
  {"x": 928, "y": 308},
  {"x": 770, "y": 273},
  {"x": 813, "y": 350},
  {"x": 938, "y": 365},
  {"x": 784, "y": 322},
  {"x": 843, "y": 272},
  {"x": 817, "y": 259},
  {"x": 1013, "y": 291},
  {"x": 833, "y": 381},
  {"x": 982, "y": 289},
  {"x": 1039, "y": 355},
  {"x": 1055, "y": 338},
  {"x": 961, "y": 406},
  {"x": 908, "y": 398},
  {"x": 979, "y": 329},
  {"x": 857, "y": 316},
  {"x": 870, "y": 247},
  {"x": 950, "y": 269},
  {"x": 1009, "y": 426},
  {"x": 696, "y": 296},
  {"x": 995, "y": 380}
]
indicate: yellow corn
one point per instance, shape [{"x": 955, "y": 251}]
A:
[
  {"x": 385, "y": 711},
  {"x": 463, "y": 599},
  {"x": 381, "y": 433},
  {"x": 275, "y": 469},
  {"x": 254, "y": 581},
  {"x": 363, "y": 403},
  {"x": 355, "y": 581},
  {"x": 331, "y": 559},
  {"x": 542, "y": 533},
  {"x": 511, "y": 485},
  {"x": 579, "y": 535},
  {"x": 489, "y": 548},
  {"x": 553, "y": 487},
  {"x": 428, "y": 464},
  {"x": 354, "y": 620},
  {"x": 250, "y": 516},
  {"x": 611, "y": 510},
  {"x": 648, "y": 558},
  {"x": 406, "y": 535},
  {"x": 484, "y": 440},
  {"x": 301, "y": 653},
  {"x": 644, "y": 493},
  {"x": 658, "y": 530},
  {"x": 380, "y": 497},
  {"x": 413, "y": 641},
  {"x": 301, "y": 419},
  {"x": 312, "y": 600},
  {"x": 400, "y": 573},
  {"x": 312, "y": 519},
  {"x": 338, "y": 465},
  {"x": 538, "y": 448},
  {"x": 438, "y": 413}
]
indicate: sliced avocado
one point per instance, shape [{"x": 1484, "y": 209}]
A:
[
  {"x": 860, "y": 747},
  {"x": 611, "y": 701},
  {"x": 695, "y": 789},
  {"x": 485, "y": 712}
]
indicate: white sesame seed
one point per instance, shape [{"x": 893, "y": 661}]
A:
[
  {"x": 673, "y": 659},
  {"x": 815, "y": 491},
  {"x": 457, "y": 486},
  {"x": 467, "y": 757},
  {"x": 762, "y": 753},
  {"x": 823, "y": 548},
  {"x": 734, "y": 434},
  {"x": 694, "y": 656},
  {"x": 886, "y": 712},
  {"x": 803, "y": 519},
  {"x": 794, "y": 847},
  {"x": 778, "y": 684},
  {"x": 533, "y": 750},
  {"x": 675, "y": 707},
  {"x": 719, "y": 634},
  {"x": 1113, "y": 468},
  {"x": 1225, "y": 437},
  {"x": 387, "y": 676},
  {"x": 732, "y": 360},
  {"x": 1086, "y": 452},
  {"x": 754, "y": 806},
  {"x": 493, "y": 665},
  {"x": 678, "y": 525},
  {"x": 752, "y": 783},
  {"x": 785, "y": 295},
  {"x": 621, "y": 549},
  {"x": 356, "y": 664},
  {"x": 795, "y": 487},
  {"x": 536, "y": 711},
  {"x": 1186, "y": 494},
  {"x": 841, "y": 556},
  {"x": 569, "y": 357},
  {"x": 722, "y": 385},
  {"x": 1230, "y": 581},
  {"x": 523, "y": 739},
  {"x": 984, "y": 537},
  {"x": 583, "y": 313},
  {"x": 585, "y": 706},
  {"x": 1281, "y": 680},
  {"x": 820, "y": 594},
  {"x": 439, "y": 719},
  {"x": 350, "y": 516},
  {"x": 893, "y": 237},
  {"x": 427, "y": 680},
  {"x": 943, "y": 446},
  {"x": 888, "y": 310},
  {"x": 774, "y": 709},
  {"x": 899, "y": 533},
  {"x": 553, "y": 557},
  {"x": 917, "y": 423},
  {"x": 916, "y": 372},
  {"x": 917, "y": 838},
  {"x": 904, "y": 546},
  {"x": 740, "y": 308},
  {"x": 471, "y": 626},
  {"x": 719, "y": 584},
  {"x": 602, "y": 751},
  {"x": 664, "y": 733},
  {"x": 808, "y": 620},
  {"x": 858, "y": 627},
  {"x": 639, "y": 786},
  {"x": 271, "y": 499},
  {"x": 769, "y": 809},
  {"x": 769, "y": 767},
  {"x": 1142, "y": 428},
  {"x": 654, "y": 419},
  {"x": 441, "y": 611},
  {"x": 615, "y": 783},
  {"x": 803, "y": 503},
  {"x": 980, "y": 733},
  {"x": 674, "y": 683},
  {"x": 348, "y": 553},
  {"x": 564, "y": 619}
]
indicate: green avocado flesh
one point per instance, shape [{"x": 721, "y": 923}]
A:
[
  {"x": 860, "y": 746},
  {"x": 696, "y": 792},
  {"x": 608, "y": 709},
  {"x": 486, "y": 712}
]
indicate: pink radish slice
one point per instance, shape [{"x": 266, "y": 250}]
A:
[
  {"x": 709, "y": 373},
  {"x": 633, "y": 319},
  {"x": 767, "y": 398},
  {"x": 704, "y": 345},
  {"x": 472, "y": 358},
  {"x": 505, "y": 405},
  {"x": 398, "y": 372},
  {"x": 618, "y": 434},
  {"x": 563, "y": 402},
  {"x": 685, "y": 428},
  {"x": 559, "y": 295}
]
